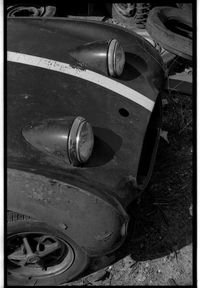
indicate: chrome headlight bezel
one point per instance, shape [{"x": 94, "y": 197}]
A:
[
  {"x": 116, "y": 58},
  {"x": 74, "y": 140}
]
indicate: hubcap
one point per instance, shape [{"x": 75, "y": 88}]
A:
[{"x": 38, "y": 254}]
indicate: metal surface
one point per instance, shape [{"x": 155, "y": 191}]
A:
[
  {"x": 58, "y": 138},
  {"x": 93, "y": 55},
  {"x": 81, "y": 72},
  {"x": 50, "y": 136},
  {"x": 116, "y": 58},
  {"x": 94, "y": 220},
  {"x": 37, "y": 255},
  {"x": 119, "y": 124},
  {"x": 75, "y": 140}
]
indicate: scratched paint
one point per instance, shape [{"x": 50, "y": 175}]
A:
[
  {"x": 85, "y": 74},
  {"x": 94, "y": 225}
]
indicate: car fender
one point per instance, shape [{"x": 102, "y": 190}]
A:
[{"x": 96, "y": 224}]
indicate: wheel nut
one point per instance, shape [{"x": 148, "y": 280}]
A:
[{"x": 33, "y": 259}]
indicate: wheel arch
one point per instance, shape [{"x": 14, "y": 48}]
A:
[{"x": 93, "y": 223}]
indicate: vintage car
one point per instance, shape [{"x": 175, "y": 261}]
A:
[{"x": 83, "y": 123}]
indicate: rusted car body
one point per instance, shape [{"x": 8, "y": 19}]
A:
[{"x": 53, "y": 77}]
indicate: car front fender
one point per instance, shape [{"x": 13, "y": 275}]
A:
[{"x": 94, "y": 223}]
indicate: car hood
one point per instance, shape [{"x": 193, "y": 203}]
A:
[{"x": 38, "y": 88}]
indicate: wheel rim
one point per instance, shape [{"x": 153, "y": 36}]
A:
[{"x": 38, "y": 255}]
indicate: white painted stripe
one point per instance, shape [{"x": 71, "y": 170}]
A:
[{"x": 83, "y": 74}]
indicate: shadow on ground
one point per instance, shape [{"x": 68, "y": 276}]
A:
[{"x": 161, "y": 223}]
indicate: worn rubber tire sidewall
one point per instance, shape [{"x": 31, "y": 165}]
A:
[
  {"x": 179, "y": 44},
  {"x": 79, "y": 265},
  {"x": 50, "y": 11}
]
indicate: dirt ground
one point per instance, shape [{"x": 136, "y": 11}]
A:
[{"x": 158, "y": 250}]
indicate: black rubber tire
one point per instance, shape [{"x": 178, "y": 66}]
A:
[
  {"x": 173, "y": 41},
  {"x": 17, "y": 223},
  {"x": 138, "y": 17},
  {"x": 30, "y": 9}
]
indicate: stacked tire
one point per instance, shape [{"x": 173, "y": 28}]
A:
[
  {"x": 30, "y": 10},
  {"x": 172, "y": 29}
]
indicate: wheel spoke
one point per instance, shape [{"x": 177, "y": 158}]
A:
[
  {"x": 37, "y": 255},
  {"x": 17, "y": 255},
  {"x": 49, "y": 248},
  {"x": 27, "y": 247}
]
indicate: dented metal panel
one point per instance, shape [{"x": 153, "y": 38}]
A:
[
  {"x": 119, "y": 124},
  {"x": 92, "y": 222}
]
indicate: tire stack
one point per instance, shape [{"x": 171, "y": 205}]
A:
[
  {"x": 172, "y": 29},
  {"x": 30, "y": 10}
]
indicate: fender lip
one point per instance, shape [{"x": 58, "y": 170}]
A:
[{"x": 99, "y": 229}]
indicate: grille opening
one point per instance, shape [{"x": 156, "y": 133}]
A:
[{"x": 150, "y": 145}]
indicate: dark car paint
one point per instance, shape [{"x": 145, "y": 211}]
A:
[
  {"x": 76, "y": 212},
  {"x": 35, "y": 94}
]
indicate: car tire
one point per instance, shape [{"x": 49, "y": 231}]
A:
[
  {"x": 172, "y": 30},
  {"x": 55, "y": 258},
  {"x": 30, "y": 10},
  {"x": 130, "y": 14}
]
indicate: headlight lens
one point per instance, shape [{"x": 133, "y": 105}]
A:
[
  {"x": 81, "y": 141},
  {"x": 84, "y": 141},
  {"x": 116, "y": 58}
]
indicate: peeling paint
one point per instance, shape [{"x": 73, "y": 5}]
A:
[
  {"x": 37, "y": 196},
  {"x": 94, "y": 223},
  {"x": 79, "y": 66},
  {"x": 63, "y": 226},
  {"x": 104, "y": 237}
]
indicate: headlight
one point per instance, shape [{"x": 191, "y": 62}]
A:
[
  {"x": 116, "y": 58},
  {"x": 106, "y": 56},
  {"x": 81, "y": 141},
  {"x": 70, "y": 139}
]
